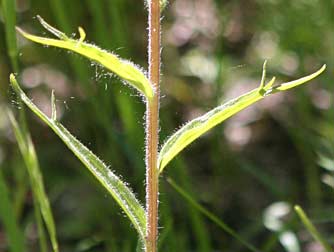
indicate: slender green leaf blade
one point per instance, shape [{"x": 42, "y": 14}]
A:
[
  {"x": 311, "y": 228},
  {"x": 40, "y": 227},
  {"x": 210, "y": 215},
  {"x": 124, "y": 69},
  {"x": 295, "y": 83},
  {"x": 8, "y": 219},
  {"x": 10, "y": 21},
  {"x": 36, "y": 179},
  {"x": 114, "y": 185},
  {"x": 197, "y": 127}
]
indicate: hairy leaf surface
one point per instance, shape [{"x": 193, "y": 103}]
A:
[
  {"x": 124, "y": 69},
  {"x": 197, "y": 127},
  {"x": 114, "y": 185}
]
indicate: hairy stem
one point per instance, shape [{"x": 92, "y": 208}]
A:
[{"x": 152, "y": 128}]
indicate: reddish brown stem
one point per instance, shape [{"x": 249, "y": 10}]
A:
[{"x": 152, "y": 129}]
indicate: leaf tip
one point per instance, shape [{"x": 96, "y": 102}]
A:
[
  {"x": 51, "y": 29},
  {"x": 320, "y": 71},
  {"x": 82, "y": 34},
  {"x": 263, "y": 78},
  {"x": 297, "y": 208},
  {"x": 19, "y": 30},
  {"x": 14, "y": 84},
  {"x": 264, "y": 67},
  {"x": 295, "y": 83},
  {"x": 271, "y": 82},
  {"x": 40, "y": 19},
  {"x": 323, "y": 68},
  {"x": 12, "y": 80}
]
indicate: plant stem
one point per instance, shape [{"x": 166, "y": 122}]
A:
[{"x": 152, "y": 128}]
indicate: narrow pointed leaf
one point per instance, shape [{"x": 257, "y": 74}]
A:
[
  {"x": 9, "y": 15},
  {"x": 112, "y": 183},
  {"x": 295, "y": 83},
  {"x": 197, "y": 127},
  {"x": 124, "y": 69},
  {"x": 29, "y": 155},
  {"x": 42, "y": 240}
]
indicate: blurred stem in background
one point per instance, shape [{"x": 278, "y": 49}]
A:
[
  {"x": 42, "y": 208},
  {"x": 7, "y": 214}
]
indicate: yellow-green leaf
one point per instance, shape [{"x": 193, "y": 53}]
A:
[
  {"x": 197, "y": 127},
  {"x": 112, "y": 183},
  {"x": 124, "y": 69}
]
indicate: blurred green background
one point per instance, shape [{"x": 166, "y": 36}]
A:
[{"x": 249, "y": 172}]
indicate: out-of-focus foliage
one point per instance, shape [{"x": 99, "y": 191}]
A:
[{"x": 280, "y": 150}]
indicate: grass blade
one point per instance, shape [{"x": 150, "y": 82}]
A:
[
  {"x": 7, "y": 215},
  {"x": 210, "y": 215},
  {"x": 41, "y": 206},
  {"x": 29, "y": 156},
  {"x": 10, "y": 21},
  {"x": 311, "y": 228},
  {"x": 114, "y": 185},
  {"x": 40, "y": 227},
  {"x": 126, "y": 70},
  {"x": 197, "y": 127}
]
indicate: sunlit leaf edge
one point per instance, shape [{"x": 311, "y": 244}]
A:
[
  {"x": 124, "y": 69},
  {"x": 197, "y": 127},
  {"x": 114, "y": 185}
]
